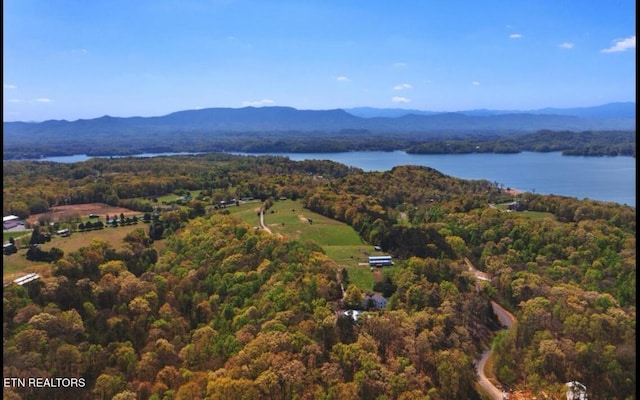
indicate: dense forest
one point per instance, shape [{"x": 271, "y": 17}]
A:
[
  {"x": 226, "y": 311},
  {"x": 615, "y": 143},
  {"x": 584, "y": 143}
]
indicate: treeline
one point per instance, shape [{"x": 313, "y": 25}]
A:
[
  {"x": 607, "y": 143},
  {"x": 227, "y": 310},
  {"x": 587, "y": 143},
  {"x": 32, "y": 187}
]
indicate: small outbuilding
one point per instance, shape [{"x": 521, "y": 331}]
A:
[
  {"x": 63, "y": 232},
  {"x": 10, "y": 222},
  {"x": 380, "y": 261}
]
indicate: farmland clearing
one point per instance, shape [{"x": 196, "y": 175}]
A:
[{"x": 286, "y": 218}]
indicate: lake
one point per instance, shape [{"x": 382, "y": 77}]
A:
[{"x": 597, "y": 178}]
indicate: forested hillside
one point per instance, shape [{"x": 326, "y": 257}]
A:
[
  {"x": 615, "y": 143},
  {"x": 227, "y": 311}
]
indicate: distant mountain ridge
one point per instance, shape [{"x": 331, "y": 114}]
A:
[
  {"x": 619, "y": 110},
  {"x": 612, "y": 116},
  {"x": 267, "y": 128}
]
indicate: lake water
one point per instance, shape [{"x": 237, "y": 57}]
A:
[{"x": 597, "y": 178}]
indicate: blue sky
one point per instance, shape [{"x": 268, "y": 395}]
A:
[{"x": 74, "y": 60}]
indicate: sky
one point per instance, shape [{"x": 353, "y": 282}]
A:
[{"x": 70, "y": 60}]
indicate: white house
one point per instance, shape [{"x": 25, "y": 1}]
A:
[{"x": 576, "y": 391}]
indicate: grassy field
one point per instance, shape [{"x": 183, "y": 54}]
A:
[
  {"x": 339, "y": 241},
  {"x": 525, "y": 214},
  {"x": 17, "y": 264},
  {"x": 15, "y": 234},
  {"x": 172, "y": 197}
]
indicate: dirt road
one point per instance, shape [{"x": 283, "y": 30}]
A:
[
  {"x": 262, "y": 225},
  {"x": 507, "y": 320}
]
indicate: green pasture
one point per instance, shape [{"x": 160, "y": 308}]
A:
[
  {"x": 525, "y": 214},
  {"x": 6, "y": 236},
  {"x": 248, "y": 212},
  {"x": 172, "y": 197},
  {"x": 339, "y": 241},
  {"x": 536, "y": 215}
]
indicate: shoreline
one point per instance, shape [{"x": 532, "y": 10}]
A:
[{"x": 513, "y": 192}]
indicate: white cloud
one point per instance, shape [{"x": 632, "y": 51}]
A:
[
  {"x": 475, "y": 83},
  {"x": 43, "y": 100},
  {"x": 515, "y": 36},
  {"x": 402, "y": 86},
  {"x": 621, "y": 45},
  {"x": 9, "y": 86},
  {"x": 400, "y": 99},
  {"x": 258, "y": 103},
  {"x": 343, "y": 79},
  {"x": 566, "y": 45},
  {"x": 399, "y": 64},
  {"x": 15, "y": 101}
]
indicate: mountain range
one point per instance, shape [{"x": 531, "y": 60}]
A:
[
  {"x": 625, "y": 110},
  {"x": 231, "y": 129},
  {"x": 612, "y": 116}
]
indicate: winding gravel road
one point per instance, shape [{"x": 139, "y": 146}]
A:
[{"x": 507, "y": 320}]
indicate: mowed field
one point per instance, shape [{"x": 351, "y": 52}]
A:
[{"x": 339, "y": 241}]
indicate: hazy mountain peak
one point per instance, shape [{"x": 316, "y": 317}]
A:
[{"x": 605, "y": 111}]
